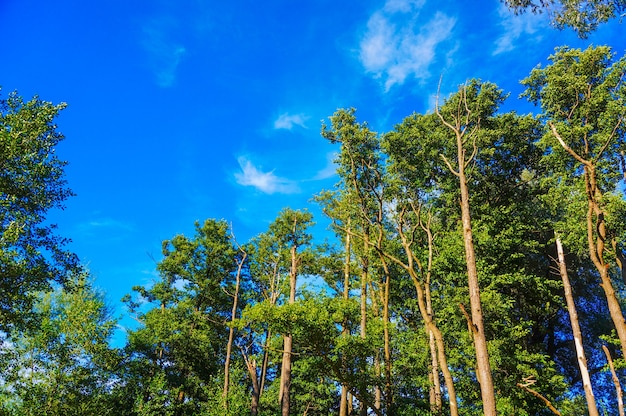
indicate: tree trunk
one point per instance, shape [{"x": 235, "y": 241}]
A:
[
  {"x": 343, "y": 403},
  {"x": 596, "y": 238},
  {"x": 435, "y": 386},
  {"x": 578, "y": 338},
  {"x": 231, "y": 332},
  {"x": 285, "y": 375},
  {"x": 483, "y": 368},
  {"x": 618, "y": 386},
  {"x": 364, "y": 283}
]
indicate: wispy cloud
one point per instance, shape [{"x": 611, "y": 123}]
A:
[
  {"x": 514, "y": 27},
  {"x": 330, "y": 169},
  {"x": 397, "y": 45},
  {"x": 164, "y": 54},
  {"x": 265, "y": 182},
  {"x": 100, "y": 226},
  {"x": 288, "y": 121}
]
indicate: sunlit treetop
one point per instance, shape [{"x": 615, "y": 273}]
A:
[{"x": 582, "y": 16}]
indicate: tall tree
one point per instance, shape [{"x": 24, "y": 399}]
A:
[
  {"x": 32, "y": 182},
  {"x": 291, "y": 230},
  {"x": 583, "y": 96},
  {"x": 463, "y": 115},
  {"x": 584, "y": 16},
  {"x": 180, "y": 346},
  {"x": 360, "y": 172},
  {"x": 578, "y": 338}
]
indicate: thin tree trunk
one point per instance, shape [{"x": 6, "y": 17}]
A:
[
  {"x": 231, "y": 332},
  {"x": 435, "y": 387},
  {"x": 596, "y": 238},
  {"x": 483, "y": 368},
  {"x": 266, "y": 359},
  {"x": 364, "y": 283},
  {"x": 578, "y": 337},
  {"x": 618, "y": 386},
  {"x": 343, "y": 403},
  {"x": 596, "y": 251},
  {"x": 377, "y": 369},
  {"x": 285, "y": 375}
]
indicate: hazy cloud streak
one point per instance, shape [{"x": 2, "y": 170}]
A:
[
  {"x": 164, "y": 54},
  {"x": 396, "y": 45},
  {"x": 288, "y": 121},
  {"x": 514, "y": 26},
  {"x": 265, "y": 182}
]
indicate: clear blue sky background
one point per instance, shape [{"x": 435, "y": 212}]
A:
[{"x": 186, "y": 110}]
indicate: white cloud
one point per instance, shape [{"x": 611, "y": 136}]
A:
[
  {"x": 287, "y": 121},
  {"x": 164, "y": 54},
  {"x": 514, "y": 26},
  {"x": 265, "y": 182},
  {"x": 404, "y": 6},
  {"x": 398, "y": 45},
  {"x": 330, "y": 169}
]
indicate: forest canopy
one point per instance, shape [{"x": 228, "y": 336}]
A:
[{"x": 475, "y": 266}]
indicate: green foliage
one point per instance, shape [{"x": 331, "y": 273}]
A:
[
  {"x": 31, "y": 184},
  {"x": 583, "y": 16},
  {"x": 179, "y": 348},
  {"x": 62, "y": 364}
]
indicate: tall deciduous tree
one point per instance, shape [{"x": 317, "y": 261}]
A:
[
  {"x": 32, "y": 183},
  {"x": 583, "y": 96},
  {"x": 463, "y": 115},
  {"x": 291, "y": 230},
  {"x": 180, "y": 346}
]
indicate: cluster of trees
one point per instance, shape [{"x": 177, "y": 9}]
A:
[{"x": 478, "y": 268}]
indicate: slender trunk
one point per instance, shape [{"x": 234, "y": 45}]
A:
[
  {"x": 231, "y": 332},
  {"x": 266, "y": 359},
  {"x": 256, "y": 392},
  {"x": 343, "y": 403},
  {"x": 285, "y": 375},
  {"x": 578, "y": 338},
  {"x": 431, "y": 328},
  {"x": 435, "y": 387},
  {"x": 483, "y": 368},
  {"x": 596, "y": 238},
  {"x": 618, "y": 386},
  {"x": 387, "y": 338},
  {"x": 256, "y": 388},
  {"x": 377, "y": 369},
  {"x": 364, "y": 283}
]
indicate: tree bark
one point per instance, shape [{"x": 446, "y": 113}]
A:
[
  {"x": 597, "y": 236},
  {"x": 618, "y": 386},
  {"x": 435, "y": 386},
  {"x": 578, "y": 337},
  {"x": 285, "y": 375},
  {"x": 343, "y": 403},
  {"x": 231, "y": 332},
  {"x": 483, "y": 367}
]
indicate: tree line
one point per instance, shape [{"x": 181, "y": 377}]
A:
[{"x": 477, "y": 268}]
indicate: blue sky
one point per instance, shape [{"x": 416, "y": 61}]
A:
[{"x": 185, "y": 110}]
